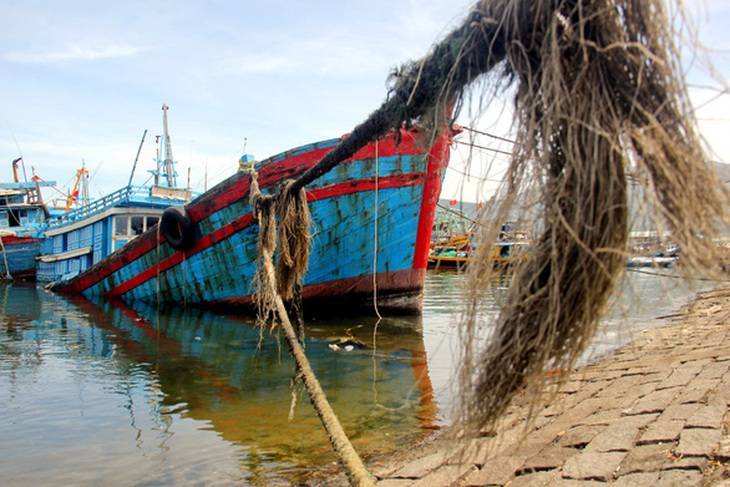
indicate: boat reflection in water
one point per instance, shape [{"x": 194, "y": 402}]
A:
[{"x": 145, "y": 397}]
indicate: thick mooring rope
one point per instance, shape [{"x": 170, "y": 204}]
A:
[{"x": 269, "y": 290}]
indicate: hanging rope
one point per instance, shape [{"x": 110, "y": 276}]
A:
[
  {"x": 270, "y": 293},
  {"x": 375, "y": 236}
]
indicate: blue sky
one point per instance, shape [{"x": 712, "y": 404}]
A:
[{"x": 81, "y": 80}]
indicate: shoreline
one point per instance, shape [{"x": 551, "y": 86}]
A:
[{"x": 652, "y": 412}]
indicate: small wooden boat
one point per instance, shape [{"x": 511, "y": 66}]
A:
[
  {"x": 372, "y": 218},
  {"x": 22, "y": 222},
  {"x": 505, "y": 254}
]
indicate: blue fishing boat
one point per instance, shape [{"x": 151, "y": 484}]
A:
[
  {"x": 79, "y": 238},
  {"x": 372, "y": 218},
  {"x": 22, "y": 222}
]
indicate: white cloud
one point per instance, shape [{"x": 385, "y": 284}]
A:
[{"x": 75, "y": 52}]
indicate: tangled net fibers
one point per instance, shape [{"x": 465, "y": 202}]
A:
[{"x": 599, "y": 95}]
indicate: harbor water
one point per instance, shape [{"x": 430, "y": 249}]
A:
[{"x": 107, "y": 394}]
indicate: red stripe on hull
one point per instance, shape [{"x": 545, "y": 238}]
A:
[
  {"x": 400, "y": 292},
  {"x": 175, "y": 259},
  {"x": 290, "y": 166},
  {"x": 11, "y": 240},
  {"x": 237, "y": 225}
]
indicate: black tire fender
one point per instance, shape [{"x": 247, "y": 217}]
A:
[{"x": 177, "y": 228}]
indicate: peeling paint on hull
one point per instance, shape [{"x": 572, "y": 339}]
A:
[{"x": 352, "y": 207}]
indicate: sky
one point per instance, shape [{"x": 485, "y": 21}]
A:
[{"x": 80, "y": 81}]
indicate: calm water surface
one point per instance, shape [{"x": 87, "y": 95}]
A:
[{"x": 103, "y": 394}]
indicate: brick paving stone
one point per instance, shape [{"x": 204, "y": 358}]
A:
[
  {"x": 537, "y": 441},
  {"x": 537, "y": 479},
  {"x": 497, "y": 471},
  {"x": 600, "y": 375},
  {"x": 643, "y": 479},
  {"x": 639, "y": 391},
  {"x": 505, "y": 442},
  {"x": 656, "y": 401},
  {"x": 620, "y": 436},
  {"x": 580, "y": 436},
  {"x": 648, "y": 458},
  {"x": 654, "y": 377},
  {"x": 421, "y": 466},
  {"x": 702, "y": 353},
  {"x": 575, "y": 385},
  {"x": 708, "y": 416},
  {"x": 574, "y": 415},
  {"x": 679, "y": 411},
  {"x": 602, "y": 417},
  {"x": 698, "y": 391},
  {"x": 587, "y": 406},
  {"x": 549, "y": 458},
  {"x": 443, "y": 477},
  {"x": 723, "y": 451},
  {"x": 722, "y": 393},
  {"x": 620, "y": 386},
  {"x": 698, "y": 441},
  {"x": 681, "y": 375},
  {"x": 714, "y": 370},
  {"x": 593, "y": 465},
  {"x": 688, "y": 463},
  {"x": 661, "y": 431},
  {"x": 480, "y": 449},
  {"x": 680, "y": 478},
  {"x": 395, "y": 483}
]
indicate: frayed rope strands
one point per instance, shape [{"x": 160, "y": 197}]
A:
[{"x": 271, "y": 302}]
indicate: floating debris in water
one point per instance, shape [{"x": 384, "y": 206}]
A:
[{"x": 346, "y": 344}]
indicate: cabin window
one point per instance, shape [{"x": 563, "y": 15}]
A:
[
  {"x": 137, "y": 225},
  {"x": 127, "y": 228},
  {"x": 120, "y": 226}
]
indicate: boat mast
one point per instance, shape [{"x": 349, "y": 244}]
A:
[
  {"x": 167, "y": 161},
  {"x": 81, "y": 186}
]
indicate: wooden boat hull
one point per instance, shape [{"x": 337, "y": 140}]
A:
[
  {"x": 19, "y": 254},
  {"x": 386, "y": 190}
]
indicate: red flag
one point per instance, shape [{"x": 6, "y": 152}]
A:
[{"x": 452, "y": 202}]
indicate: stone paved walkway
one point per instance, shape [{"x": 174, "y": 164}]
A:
[{"x": 655, "y": 413}]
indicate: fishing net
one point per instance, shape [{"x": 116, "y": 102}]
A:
[{"x": 599, "y": 97}]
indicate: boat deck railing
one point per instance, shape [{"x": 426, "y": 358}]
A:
[{"x": 123, "y": 195}]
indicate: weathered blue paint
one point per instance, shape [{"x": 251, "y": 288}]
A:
[
  {"x": 77, "y": 240},
  {"x": 381, "y": 187}
]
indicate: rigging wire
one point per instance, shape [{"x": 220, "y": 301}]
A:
[
  {"x": 477, "y": 146},
  {"x": 487, "y": 134}
]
